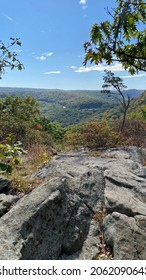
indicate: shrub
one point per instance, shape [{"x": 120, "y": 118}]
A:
[
  {"x": 92, "y": 135},
  {"x": 134, "y": 133},
  {"x": 98, "y": 134},
  {"x": 73, "y": 137}
]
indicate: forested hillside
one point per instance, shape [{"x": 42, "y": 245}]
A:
[{"x": 69, "y": 107}]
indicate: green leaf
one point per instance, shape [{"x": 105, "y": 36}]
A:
[
  {"x": 20, "y": 67},
  {"x": 16, "y": 161},
  {"x": 6, "y": 167},
  {"x": 19, "y": 43}
]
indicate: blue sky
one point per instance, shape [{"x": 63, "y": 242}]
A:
[{"x": 52, "y": 33}]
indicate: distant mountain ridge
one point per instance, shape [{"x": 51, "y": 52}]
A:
[{"x": 35, "y": 91}]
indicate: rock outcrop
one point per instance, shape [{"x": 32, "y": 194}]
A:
[{"x": 60, "y": 219}]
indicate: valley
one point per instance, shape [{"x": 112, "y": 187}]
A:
[{"x": 70, "y": 107}]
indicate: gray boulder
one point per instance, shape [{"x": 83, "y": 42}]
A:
[
  {"x": 126, "y": 236},
  {"x": 44, "y": 223}
]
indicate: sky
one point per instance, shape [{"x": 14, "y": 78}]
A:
[{"x": 52, "y": 33}]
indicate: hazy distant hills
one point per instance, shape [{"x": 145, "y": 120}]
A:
[
  {"x": 70, "y": 106},
  {"x": 36, "y": 92}
]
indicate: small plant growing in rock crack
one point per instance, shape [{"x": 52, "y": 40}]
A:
[{"x": 105, "y": 252}]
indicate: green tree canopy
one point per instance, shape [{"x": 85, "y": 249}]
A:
[
  {"x": 26, "y": 109},
  {"x": 122, "y": 38},
  {"x": 18, "y": 117}
]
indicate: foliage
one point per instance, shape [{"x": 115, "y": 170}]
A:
[
  {"x": 10, "y": 156},
  {"x": 143, "y": 111},
  {"x": 73, "y": 137},
  {"x": 55, "y": 130},
  {"x": 17, "y": 117},
  {"x": 134, "y": 133},
  {"x": 92, "y": 135},
  {"x": 98, "y": 134},
  {"x": 9, "y": 58},
  {"x": 21, "y": 118},
  {"x": 37, "y": 156},
  {"x": 26, "y": 109},
  {"x": 122, "y": 38}
]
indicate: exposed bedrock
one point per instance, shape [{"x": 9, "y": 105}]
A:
[{"x": 57, "y": 219}]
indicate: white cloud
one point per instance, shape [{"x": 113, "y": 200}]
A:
[
  {"x": 133, "y": 76},
  {"x": 48, "y": 54},
  {"x": 7, "y": 17},
  {"x": 83, "y": 2},
  {"x": 52, "y": 72},
  {"x": 42, "y": 57},
  {"x": 115, "y": 67},
  {"x": 73, "y": 67}
]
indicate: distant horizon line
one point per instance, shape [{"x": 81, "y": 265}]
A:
[{"x": 63, "y": 89}]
